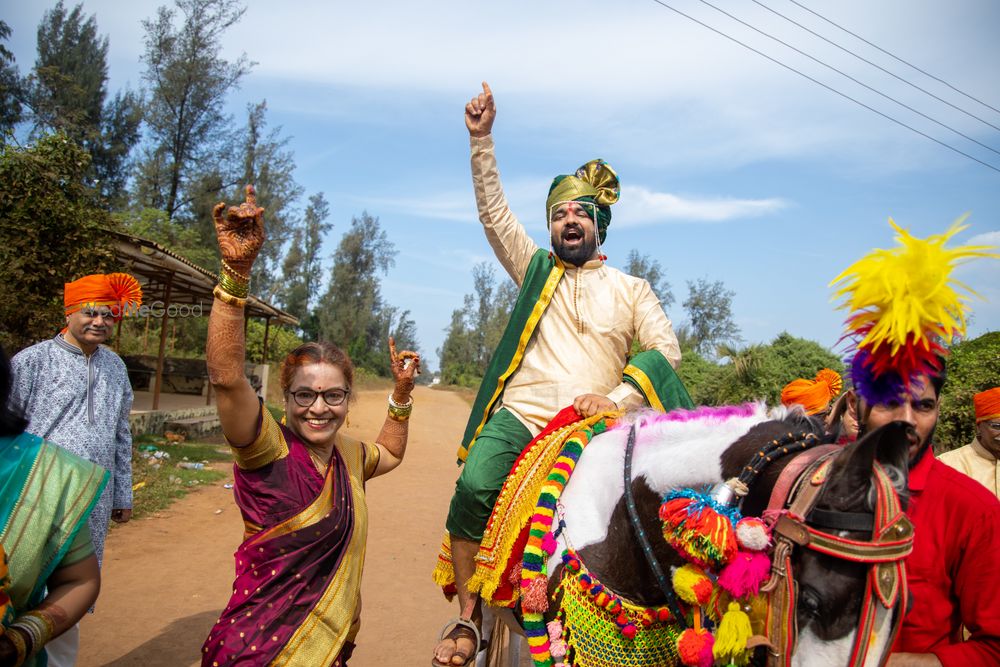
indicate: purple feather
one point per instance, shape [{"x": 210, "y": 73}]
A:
[{"x": 874, "y": 390}]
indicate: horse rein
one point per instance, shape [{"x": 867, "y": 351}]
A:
[
  {"x": 647, "y": 549},
  {"x": 891, "y": 542}
]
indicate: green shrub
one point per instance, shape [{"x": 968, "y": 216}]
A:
[{"x": 973, "y": 366}]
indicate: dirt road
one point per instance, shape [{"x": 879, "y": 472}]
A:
[{"x": 167, "y": 577}]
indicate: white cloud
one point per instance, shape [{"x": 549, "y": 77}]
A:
[
  {"x": 641, "y": 206},
  {"x": 680, "y": 93},
  {"x": 638, "y": 205},
  {"x": 987, "y": 238},
  {"x": 456, "y": 206}
]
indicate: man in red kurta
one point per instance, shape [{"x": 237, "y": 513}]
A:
[{"x": 954, "y": 569}]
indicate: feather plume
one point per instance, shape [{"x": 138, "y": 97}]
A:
[{"x": 905, "y": 305}]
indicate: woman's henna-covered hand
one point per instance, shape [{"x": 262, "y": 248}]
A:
[
  {"x": 403, "y": 372},
  {"x": 240, "y": 232}
]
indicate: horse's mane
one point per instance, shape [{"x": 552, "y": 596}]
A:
[{"x": 647, "y": 417}]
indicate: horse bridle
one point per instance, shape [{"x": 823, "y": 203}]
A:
[
  {"x": 798, "y": 526},
  {"x": 798, "y": 489}
]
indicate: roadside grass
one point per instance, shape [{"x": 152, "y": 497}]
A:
[{"x": 157, "y": 482}]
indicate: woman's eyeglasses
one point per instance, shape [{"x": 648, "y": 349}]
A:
[{"x": 333, "y": 397}]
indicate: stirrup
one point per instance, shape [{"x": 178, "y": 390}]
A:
[{"x": 459, "y": 622}]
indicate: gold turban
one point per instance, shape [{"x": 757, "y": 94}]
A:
[{"x": 595, "y": 181}]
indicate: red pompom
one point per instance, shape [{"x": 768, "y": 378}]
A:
[
  {"x": 695, "y": 648},
  {"x": 629, "y": 631},
  {"x": 535, "y": 597}
]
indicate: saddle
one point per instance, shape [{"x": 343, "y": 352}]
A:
[{"x": 498, "y": 563}]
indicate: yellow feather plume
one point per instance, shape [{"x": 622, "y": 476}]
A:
[{"x": 909, "y": 289}]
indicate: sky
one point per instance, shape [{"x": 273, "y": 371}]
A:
[{"x": 733, "y": 167}]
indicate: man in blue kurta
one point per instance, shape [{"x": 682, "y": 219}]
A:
[{"x": 75, "y": 393}]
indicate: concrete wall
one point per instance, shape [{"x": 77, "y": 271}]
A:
[{"x": 152, "y": 421}]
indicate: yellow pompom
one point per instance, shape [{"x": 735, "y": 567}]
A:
[
  {"x": 692, "y": 585},
  {"x": 732, "y": 635}
]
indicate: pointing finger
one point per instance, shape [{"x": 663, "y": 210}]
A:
[{"x": 392, "y": 349}]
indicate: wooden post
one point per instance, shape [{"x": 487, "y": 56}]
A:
[
  {"x": 118, "y": 336},
  {"x": 145, "y": 336},
  {"x": 163, "y": 342},
  {"x": 267, "y": 330},
  {"x": 172, "y": 345}
]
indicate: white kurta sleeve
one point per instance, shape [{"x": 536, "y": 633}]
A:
[{"x": 508, "y": 238}]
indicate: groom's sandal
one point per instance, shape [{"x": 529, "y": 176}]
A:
[{"x": 460, "y": 628}]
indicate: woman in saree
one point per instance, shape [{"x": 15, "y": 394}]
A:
[
  {"x": 299, "y": 486},
  {"x": 48, "y": 571}
]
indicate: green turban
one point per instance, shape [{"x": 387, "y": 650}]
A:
[{"x": 595, "y": 182}]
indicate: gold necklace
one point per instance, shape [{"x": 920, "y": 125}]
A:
[{"x": 321, "y": 465}]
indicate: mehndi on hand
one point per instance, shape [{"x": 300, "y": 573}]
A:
[
  {"x": 241, "y": 233},
  {"x": 405, "y": 366}
]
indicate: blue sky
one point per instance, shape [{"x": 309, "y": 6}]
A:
[{"x": 733, "y": 168}]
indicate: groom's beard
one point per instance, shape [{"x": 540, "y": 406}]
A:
[{"x": 577, "y": 255}]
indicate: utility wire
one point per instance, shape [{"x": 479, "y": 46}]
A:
[
  {"x": 848, "y": 76},
  {"x": 876, "y": 65},
  {"x": 662, "y": 3},
  {"x": 892, "y": 55}
]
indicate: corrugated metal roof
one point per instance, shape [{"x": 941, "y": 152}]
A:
[{"x": 153, "y": 264}]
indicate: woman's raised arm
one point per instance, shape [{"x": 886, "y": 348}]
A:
[{"x": 241, "y": 233}]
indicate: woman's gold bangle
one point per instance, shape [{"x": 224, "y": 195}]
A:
[
  {"x": 239, "y": 289},
  {"x": 398, "y": 417},
  {"x": 236, "y": 274},
  {"x": 20, "y": 646},
  {"x": 226, "y": 297}
]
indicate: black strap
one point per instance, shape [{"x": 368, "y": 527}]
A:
[
  {"x": 861, "y": 522},
  {"x": 633, "y": 515}
]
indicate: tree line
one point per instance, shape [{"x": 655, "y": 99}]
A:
[
  {"x": 715, "y": 368},
  {"x": 153, "y": 162}
]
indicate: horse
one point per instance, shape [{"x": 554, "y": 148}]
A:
[{"x": 702, "y": 449}]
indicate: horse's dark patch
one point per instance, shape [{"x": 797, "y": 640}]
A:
[{"x": 618, "y": 561}]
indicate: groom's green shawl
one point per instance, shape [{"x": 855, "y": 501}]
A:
[{"x": 648, "y": 371}]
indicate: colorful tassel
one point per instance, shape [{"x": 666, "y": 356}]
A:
[
  {"x": 699, "y": 528},
  {"x": 732, "y": 635},
  {"x": 745, "y": 573}
]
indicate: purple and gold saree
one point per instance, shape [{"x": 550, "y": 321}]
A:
[{"x": 298, "y": 573}]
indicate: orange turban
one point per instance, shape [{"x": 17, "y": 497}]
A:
[
  {"x": 987, "y": 404},
  {"x": 814, "y": 395},
  {"x": 120, "y": 291}
]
